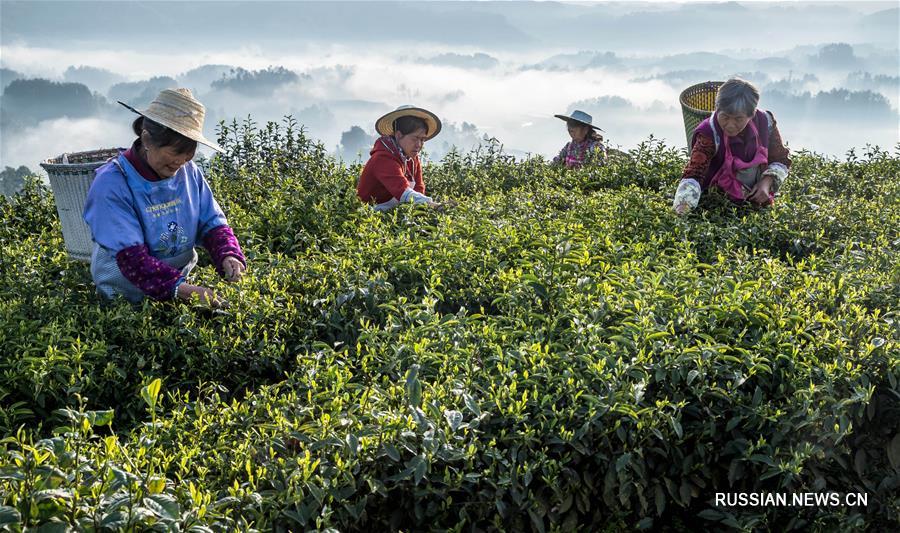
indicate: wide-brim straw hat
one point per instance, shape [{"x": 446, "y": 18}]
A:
[
  {"x": 178, "y": 110},
  {"x": 385, "y": 124},
  {"x": 579, "y": 116}
]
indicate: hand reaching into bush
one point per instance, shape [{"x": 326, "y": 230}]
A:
[
  {"x": 207, "y": 296},
  {"x": 682, "y": 208},
  {"x": 759, "y": 194},
  {"x": 232, "y": 269}
]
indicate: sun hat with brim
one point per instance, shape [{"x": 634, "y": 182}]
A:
[
  {"x": 385, "y": 124},
  {"x": 178, "y": 110},
  {"x": 579, "y": 116}
]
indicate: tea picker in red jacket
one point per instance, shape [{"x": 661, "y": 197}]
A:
[
  {"x": 738, "y": 149},
  {"x": 393, "y": 173},
  {"x": 149, "y": 207}
]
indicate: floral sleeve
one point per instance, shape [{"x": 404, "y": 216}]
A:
[
  {"x": 220, "y": 242},
  {"x": 597, "y": 154},
  {"x": 701, "y": 154},
  {"x": 779, "y": 159},
  {"x": 561, "y": 156},
  {"x": 153, "y": 277}
]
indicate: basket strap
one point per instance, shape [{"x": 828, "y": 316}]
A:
[
  {"x": 712, "y": 126},
  {"x": 134, "y": 203}
]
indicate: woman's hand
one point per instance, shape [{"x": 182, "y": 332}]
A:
[
  {"x": 232, "y": 268},
  {"x": 682, "y": 208},
  {"x": 759, "y": 194},
  {"x": 441, "y": 207},
  {"x": 188, "y": 292}
]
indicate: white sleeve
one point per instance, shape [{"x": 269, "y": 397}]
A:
[
  {"x": 386, "y": 206},
  {"x": 407, "y": 196},
  {"x": 778, "y": 172},
  {"x": 688, "y": 193},
  {"x": 416, "y": 197}
]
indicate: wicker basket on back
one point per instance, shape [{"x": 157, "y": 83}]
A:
[
  {"x": 697, "y": 103},
  {"x": 71, "y": 176}
]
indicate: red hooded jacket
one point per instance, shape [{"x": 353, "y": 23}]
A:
[{"x": 385, "y": 175}]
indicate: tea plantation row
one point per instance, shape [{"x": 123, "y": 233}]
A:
[{"x": 557, "y": 352}]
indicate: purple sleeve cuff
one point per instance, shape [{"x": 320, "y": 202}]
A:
[
  {"x": 220, "y": 242},
  {"x": 153, "y": 277}
]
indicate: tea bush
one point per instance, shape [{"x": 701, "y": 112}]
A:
[{"x": 558, "y": 352}]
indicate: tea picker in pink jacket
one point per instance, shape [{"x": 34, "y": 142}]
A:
[
  {"x": 150, "y": 206},
  {"x": 586, "y": 145}
]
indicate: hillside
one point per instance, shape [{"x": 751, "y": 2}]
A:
[{"x": 557, "y": 352}]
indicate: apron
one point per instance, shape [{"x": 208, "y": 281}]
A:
[
  {"x": 105, "y": 271},
  {"x": 736, "y": 177}
]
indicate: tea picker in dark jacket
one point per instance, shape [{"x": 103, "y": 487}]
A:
[
  {"x": 738, "y": 149},
  {"x": 150, "y": 206}
]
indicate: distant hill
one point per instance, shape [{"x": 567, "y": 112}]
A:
[
  {"x": 98, "y": 79},
  {"x": 199, "y": 79},
  {"x": 140, "y": 93},
  {"x": 7, "y": 76},
  {"x": 33, "y": 100}
]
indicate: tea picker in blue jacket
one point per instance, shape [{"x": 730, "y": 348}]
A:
[{"x": 150, "y": 206}]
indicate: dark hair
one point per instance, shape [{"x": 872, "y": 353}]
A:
[
  {"x": 737, "y": 96},
  {"x": 162, "y": 136},
  {"x": 409, "y": 124},
  {"x": 593, "y": 134}
]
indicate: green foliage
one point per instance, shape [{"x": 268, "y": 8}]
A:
[{"x": 558, "y": 352}]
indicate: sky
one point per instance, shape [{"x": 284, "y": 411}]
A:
[{"x": 500, "y": 69}]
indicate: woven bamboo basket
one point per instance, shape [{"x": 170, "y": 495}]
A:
[
  {"x": 697, "y": 103},
  {"x": 71, "y": 176}
]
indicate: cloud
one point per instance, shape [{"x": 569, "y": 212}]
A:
[
  {"x": 494, "y": 87},
  {"x": 581, "y": 60},
  {"x": 140, "y": 93},
  {"x": 836, "y": 105},
  {"x": 200, "y": 78},
  {"x": 98, "y": 79},
  {"x": 477, "y": 60},
  {"x": 680, "y": 78},
  {"x": 774, "y": 63},
  {"x": 51, "y": 138},
  {"x": 886, "y": 84},
  {"x": 626, "y": 123}
]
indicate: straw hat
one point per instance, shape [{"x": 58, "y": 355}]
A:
[
  {"x": 385, "y": 124},
  {"x": 177, "y": 109},
  {"x": 579, "y": 116}
]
